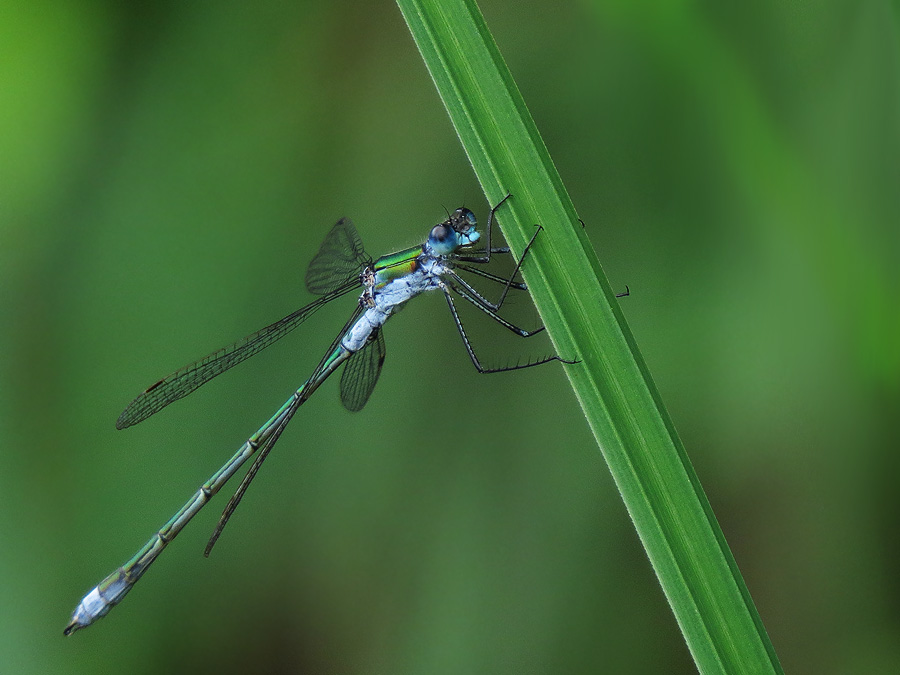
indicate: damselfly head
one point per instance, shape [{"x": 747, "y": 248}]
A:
[
  {"x": 443, "y": 239},
  {"x": 463, "y": 220},
  {"x": 457, "y": 231}
]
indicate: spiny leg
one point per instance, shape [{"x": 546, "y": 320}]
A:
[
  {"x": 475, "y": 361},
  {"x": 509, "y": 282},
  {"x": 485, "y": 257},
  {"x": 519, "y": 286},
  {"x": 504, "y": 250},
  {"x": 484, "y": 306},
  {"x": 618, "y": 295}
]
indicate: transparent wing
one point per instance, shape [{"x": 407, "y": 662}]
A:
[
  {"x": 248, "y": 478},
  {"x": 340, "y": 259},
  {"x": 267, "y": 445},
  {"x": 185, "y": 380},
  {"x": 361, "y": 373}
]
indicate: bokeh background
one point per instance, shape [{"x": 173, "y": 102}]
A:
[{"x": 168, "y": 169}]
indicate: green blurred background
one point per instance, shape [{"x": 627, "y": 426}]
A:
[{"x": 166, "y": 172}]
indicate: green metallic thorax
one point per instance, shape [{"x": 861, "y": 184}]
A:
[{"x": 394, "y": 265}]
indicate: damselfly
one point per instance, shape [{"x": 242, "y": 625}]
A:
[{"x": 340, "y": 267}]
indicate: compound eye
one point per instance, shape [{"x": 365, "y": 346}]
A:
[
  {"x": 440, "y": 233},
  {"x": 470, "y": 219}
]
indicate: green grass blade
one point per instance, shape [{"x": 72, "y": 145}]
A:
[{"x": 638, "y": 440}]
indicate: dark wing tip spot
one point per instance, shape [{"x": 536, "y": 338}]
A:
[{"x": 153, "y": 386}]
